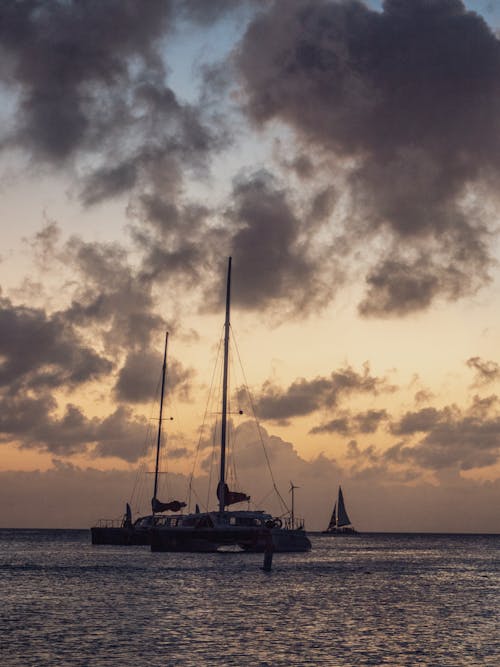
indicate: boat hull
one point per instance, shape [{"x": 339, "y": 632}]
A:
[
  {"x": 211, "y": 540},
  {"x": 119, "y": 536},
  {"x": 341, "y": 532}
]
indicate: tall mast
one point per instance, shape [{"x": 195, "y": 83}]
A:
[
  {"x": 292, "y": 489},
  {"x": 158, "y": 442},
  {"x": 222, "y": 492}
]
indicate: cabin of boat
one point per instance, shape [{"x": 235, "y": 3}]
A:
[{"x": 210, "y": 531}]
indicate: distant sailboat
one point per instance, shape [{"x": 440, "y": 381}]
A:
[{"x": 340, "y": 524}]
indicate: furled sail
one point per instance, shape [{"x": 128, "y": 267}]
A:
[
  {"x": 173, "y": 506},
  {"x": 342, "y": 517},
  {"x": 231, "y": 497}
]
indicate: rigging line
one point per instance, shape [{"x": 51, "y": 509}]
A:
[
  {"x": 140, "y": 474},
  {"x": 202, "y": 426},
  {"x": 216, "y": 397},
  {"x": 263, "y": 500},
  {"x": 232, "y": 430},
  {"x": 178, "y": 431},
  {"x": 212, "y": 457},
  {"x": 259, "y": 428},
  {"x": 164, "y": 484}
]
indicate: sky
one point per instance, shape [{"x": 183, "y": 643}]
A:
[{"x": 346, "y": 154}]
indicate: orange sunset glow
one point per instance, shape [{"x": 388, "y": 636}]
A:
[{"x": 354, "y": 187}]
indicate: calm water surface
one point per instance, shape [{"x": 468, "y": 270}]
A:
[{"x": 365, "y": 600}]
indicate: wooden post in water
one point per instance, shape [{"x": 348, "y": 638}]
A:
[{"x": 268, "y": 551}]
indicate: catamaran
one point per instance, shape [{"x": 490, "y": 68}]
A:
[
  {"x": 340, "y": 524},
  {"x": 247, "y": 530}
]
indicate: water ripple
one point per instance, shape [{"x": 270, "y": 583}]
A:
[{"x": 367, "y": 600}]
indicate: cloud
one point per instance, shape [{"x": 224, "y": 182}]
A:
[
  {"x": 33, "y": 422},
  {"x": 399, "y": 287},
  {"x": 138, "y": 378},
  {"x": 406, "y": 100},
  {"x": 88, "y": 83},
  {"x": 121, "y": 434},
  {"x": 369, "y": 421},
  {"x": 350, "y": 424},
  {"x": 419, "y": 421},
  {"x": 340, "y": 425},
  {"x": 450, "y": 437},
  {"x": 303, "y": 397},
  {"x": 44, "y": 350},
  {"x": 486, "y": 371},
  {"x": 399, "y": 106},
  {"x": 66, "y": 496},
  {"x": 274, "y": 247},
  {"x": 207, "y": 12},
  {"x": 111, "y": 295},
  {"x": 72, "y": 64}
]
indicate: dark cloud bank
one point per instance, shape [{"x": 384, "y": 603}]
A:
[
  {"x": 404, "y": 101},
  {"x": 411, "y": 96}
]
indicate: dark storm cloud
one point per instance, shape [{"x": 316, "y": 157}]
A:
[
  {"x": 139, "y": 378},
  {"x": 340, "y": 425},
  {"x": 71, "y": 60},
  {"x": 273, "y": 248},
  {"x": 450, "y": 437},
  {"x": 411, "y": 95},
  {"x": 33, "y": 423},
  {"x": 205, "y": 12},
  {"x": 44, "y": 353},
  {"x": 88, "y": 83},
  {"x": 177, "y": 241},
  {"x": 121, "y": 435},
  {"x": 304, "y": 397},
  {"x": 414, "y": 422},
  {"x": 39, "y": 350},
  {"x": 397, "y": 287},
  {"x": 369, "y": 421},
  {"x": 111, "y": 295},
  {"x": 486, "y": 371},
  {"x": 363, "y": 422}
]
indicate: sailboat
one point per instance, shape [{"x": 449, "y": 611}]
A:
[
  {"x": 246, "y": 530},
  {"x": 127, "y": 532},
  {"x": 340, "y": 524}
]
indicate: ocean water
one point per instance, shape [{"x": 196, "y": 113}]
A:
[{"x": 366, "y": 600}]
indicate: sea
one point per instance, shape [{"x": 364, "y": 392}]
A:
[{"x": 370, "y": 599}]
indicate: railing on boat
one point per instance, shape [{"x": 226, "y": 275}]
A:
[
  {"x": 110, "y": 523},
  {"x": 296, "y": 524}
]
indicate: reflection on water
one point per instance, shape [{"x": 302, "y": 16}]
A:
[{"x": 363, "y": 600}]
